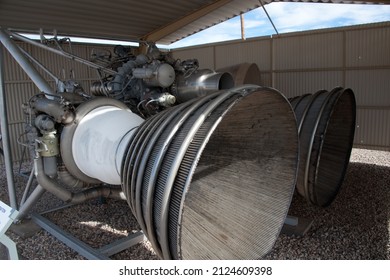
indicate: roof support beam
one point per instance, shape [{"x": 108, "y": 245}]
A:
[{"x": 160, "y": 33}]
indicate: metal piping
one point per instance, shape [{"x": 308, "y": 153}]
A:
[
  {"x": 268, "y": 16},
  {"x": 60, "y": 112},
  {"x": 30, "y": 202},
  {"x": 48, "y": 183},
  {"x": 96, "y": 192},
  {"x": 56, "y": 189},
  {"x": 25, "y": 63},
  {"x": 27, "y": 188},
  {"x": 40, "y": 65},
  {"x": 68, "y": 179},
  {"x": 63, "y": 53}
]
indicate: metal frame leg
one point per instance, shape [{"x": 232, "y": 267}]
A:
[
  {"x": 5, "y": 136},
  {"x": 11, "y": 246},
  {"x": 84, "y": 249}
]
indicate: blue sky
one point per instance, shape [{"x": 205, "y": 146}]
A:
[{"x": 289, "y": 17}]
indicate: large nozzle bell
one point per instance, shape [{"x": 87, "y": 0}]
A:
[
  {"x": 243, "y": 73},
  {"x": 326, "y": 125},
  {"x": 213, "y": 178}
]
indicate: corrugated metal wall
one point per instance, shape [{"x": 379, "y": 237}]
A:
[{"x": 357, "y": 57}]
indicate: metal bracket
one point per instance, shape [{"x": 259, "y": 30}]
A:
[
  {"x": 82, "y": 248},
  {"x": 296, "y": 226}
]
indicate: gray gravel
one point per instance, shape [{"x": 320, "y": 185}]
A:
[{"x": 355, "y": 226}]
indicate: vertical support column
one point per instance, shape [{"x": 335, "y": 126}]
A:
[
  {"x": 273, "y": 63},
  {"x": 5, "y": 136},
  {"x": 242, "y": 20}
]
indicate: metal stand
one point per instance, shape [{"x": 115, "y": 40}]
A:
[
  {"x": 83, "y": 249},
  {"x": 10, "y": 246},
  {"x": 296, "y": 226}
]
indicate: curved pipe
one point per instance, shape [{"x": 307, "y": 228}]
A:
[
  {"x": 59, "y": 112},
  {"x": 48, "y": 183},
  {"x": 68, "y": 179},
  {"x": 24, "y": 62},
  {"x": 56, "y": 189}
]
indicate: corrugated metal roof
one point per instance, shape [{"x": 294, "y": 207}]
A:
[{"x": 129, "y": 20}]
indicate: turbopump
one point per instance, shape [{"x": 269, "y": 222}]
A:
[{"x": 150, "y": 83}]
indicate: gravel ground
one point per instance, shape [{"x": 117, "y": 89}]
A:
[{"x": 355, "y": 226}]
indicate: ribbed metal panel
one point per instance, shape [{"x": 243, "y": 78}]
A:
[
  {"x": 368, "y": 47},
  {"x": 12, "y": 71},
  {"x": 266, "y": 79},
  {"x": 373, "y": 128},
  {"x": 18, "y": 151},
  {"x": 127, "y": 20},
  {"x": 298, "y": 83},
  {"x": 309, "y": 51},
  {"x": 257, "y": 51},
  {"x": 17, "y": 94},
  {"x": 371, "y": 87}
]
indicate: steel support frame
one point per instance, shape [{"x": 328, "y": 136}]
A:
[
  {"x": 63, "y": 236},
  {"x": 82, "y": 248}
]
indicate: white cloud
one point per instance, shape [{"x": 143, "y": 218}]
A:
[
  {"x": 303, "y": 16},
  {"x": 290, "y": 17},
  {"x": 228, "y": 30}
]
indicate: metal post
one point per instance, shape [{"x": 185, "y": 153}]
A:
[
  {"x": 5, "y": 136},
  {"x": 25, "y": 63},
  {"x": 30, "y": 202},
  {"x": 242, "y": 20},
  {"x": 269, "y": 18}
]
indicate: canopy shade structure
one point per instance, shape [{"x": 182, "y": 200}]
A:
[{"x": 163, "y": 22}]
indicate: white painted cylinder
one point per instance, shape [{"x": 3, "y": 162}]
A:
[{"x": 100, "y": 140}]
